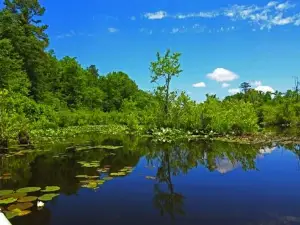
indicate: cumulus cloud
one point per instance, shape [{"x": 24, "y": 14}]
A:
[
  {"x": 265, "y": 89},
  {"x": 222, "y": 75},
  {"x": 112, "y": 30},
  {"x": 199, "y": 85},
  {"x": 156, "y": 15},
  {"x": 225, "y": 85},
  {"x": 234, "y": 91}
]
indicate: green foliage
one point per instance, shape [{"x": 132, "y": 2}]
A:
[{"x": 51, "y": 97}]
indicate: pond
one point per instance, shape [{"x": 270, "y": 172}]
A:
[{"x": 141, "y": 182}]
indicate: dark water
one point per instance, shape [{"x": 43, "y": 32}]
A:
[{"x": 207, "y": 183}]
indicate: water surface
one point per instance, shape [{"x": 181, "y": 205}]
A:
[{"x": 207, "y": 183}]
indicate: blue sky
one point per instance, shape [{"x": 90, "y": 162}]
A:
[{"x": 223, "y": 42}]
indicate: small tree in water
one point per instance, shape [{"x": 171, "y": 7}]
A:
[{"x": 165, "y": 67}]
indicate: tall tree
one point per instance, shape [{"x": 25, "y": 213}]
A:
[
  {"x": 166, "y": 67},
  {"x": 21, "y": 24},
  {"x": 245, "y": 86}
]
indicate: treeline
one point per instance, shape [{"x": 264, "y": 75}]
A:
[{"x": 39, "y": 91}]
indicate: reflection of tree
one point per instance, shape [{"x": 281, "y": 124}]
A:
[{"x": 168, "y": 201}]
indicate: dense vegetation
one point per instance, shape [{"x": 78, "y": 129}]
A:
[{"x": 40, "y": 91}]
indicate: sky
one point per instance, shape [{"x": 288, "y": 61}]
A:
[{"x": 223, "y": 42}]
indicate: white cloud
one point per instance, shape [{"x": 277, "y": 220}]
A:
[
  {"x": 225, "y": 85},
  {"x": 195, "y": 15},
  {"x": 133, "y": 18},
  {"x": 156, "y": 15},
  {"x": 112, "y": 30},
  {"x": 234, "y": 91},
  {"x": 175, "y": 30},
  {"x": 265, "y": 16},
  {"x": 222, "y": 75},
  {"x": 199, "y": 85},
  {"x": 72, "y": 33},
  {"x": 265, "y": 89},
  {"x": 256, "y": 83}
]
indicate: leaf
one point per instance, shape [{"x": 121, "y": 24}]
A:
[
  {"x": 14, "y": 195},
  {"x": 118, "y": 174},
  {"x": 51, "y": 189},
  {"x": 8, "y": 201},
  {"x": 108, "y": 178},
  {"x": 6, "y": 192},
  {"x": 28, "y": 199},
  {"x": 28, "y": 189},
  {"x": 81, "y": 176},
  {"x": 10, "y": 214},
  {"x": 48, "y": 197},
  {"x": 21, "y": 206}
]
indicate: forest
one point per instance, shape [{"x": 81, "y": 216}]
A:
[{"x": 39, "y": 91}]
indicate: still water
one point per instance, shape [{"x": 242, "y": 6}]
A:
[{"x": 207, "y": 183}]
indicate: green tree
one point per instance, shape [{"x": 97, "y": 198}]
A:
[
  {"x": 117, "y": 87},
  {"x": 245, "y": 86},
  {"x": 166, "y": 67},
  {"x": 12, "y": 77},
  {"x": 21, "y": 24}
]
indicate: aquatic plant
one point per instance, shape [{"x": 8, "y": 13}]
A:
[
  {"x": 21, "y": 206},
  {"x": 29, "y": 189},
  {"x": 47, "y": 197},
  {"x": 51, "y": 189},
  {"x": 6, "y": 192},
  {"x": 7, "y": 201},
  {"x": 27, "y": 199},
  {"x": 118, "y": 174}
]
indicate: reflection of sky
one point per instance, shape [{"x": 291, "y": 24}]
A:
[{"x": 224, "y": 165}]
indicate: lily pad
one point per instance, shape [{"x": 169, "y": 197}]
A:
[
  {"x": 10, "y": 214},
  {"x": 108, "y": 178},
  {"x": 91, "y": 185},
  {"x": 21, "y": 206},
  {"x": 81, "y": 176},
  {"x": 28, "y": 189},
  {"x": 27, "y": 199},
  {"x": 20, "y": 212},
  {"x": 51, "y": 189},
  {"x": 6, "y": 192},
  {"x": 14, "y": 195},
  {"x": 48, "y": 197},
  {"x": 118, "y": 174},
  {"x": 8, "y": 201}
]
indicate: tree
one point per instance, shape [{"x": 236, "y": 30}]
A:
[
  {"x": 165, "y": 67},
  {"x": 245, "y": 87},
  {"x": 117, "y": 87},
  {"x": 20, "y": 23}
]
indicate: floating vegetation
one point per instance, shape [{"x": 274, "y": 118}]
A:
[
  {"x": 27, "y": 199},
  {"x": 7, "y": 201},
  {"x": 108, "y": 147},
  {"x": 93, "y": 164},
  {"x": 21, "y": 206},
  {"x": 103, "y": 170},
  {"x": 118, "y": 174},
  {"x": 48, "y": 197},
  {"x": 28, "y": 189},
  {"x": 51, "y": 189},
  {"x": 6, "y": 192},
  {"x": 150, "y": 178},
  {"x": 11, "y": 214},
  {"x": 14, "y": 195},
  {"x": 92, "y": 184},
  {"x": 108, "y": 178},
  {"x": 16, "y": 212},
  {"x": 87, "y": 177}
]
